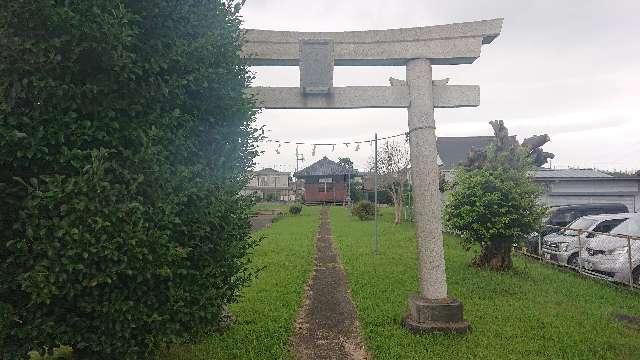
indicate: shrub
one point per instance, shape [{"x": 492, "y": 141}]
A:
[
  {"x": 364, "y": 210},
  {"x": 493, "y": 206},
  {"x": 295, "y": 209},
  {"x": 124, "y": 140}
]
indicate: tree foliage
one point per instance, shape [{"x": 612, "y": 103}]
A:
[
  {"x": 495, "y": 204},
  {"x": 124, "y": 140},
  {"x": 345, "y": 162}
]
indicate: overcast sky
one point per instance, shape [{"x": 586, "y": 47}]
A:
[{"x": 566, "y": 68}]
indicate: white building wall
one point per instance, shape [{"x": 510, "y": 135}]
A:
[
  {"x": 269, "y": 181},
  {"x": 568, "y": 192},
  {"x": 266, "y": 184},
  {"x": 594, "y": 185}
]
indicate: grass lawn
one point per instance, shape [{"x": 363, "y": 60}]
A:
[
  {"x": 534, "y": 312},
  {"x": 267, "y": 310},
  {"x": 262, "y": 206}
]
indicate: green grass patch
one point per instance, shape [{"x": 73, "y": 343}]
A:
[
  {"x": 533, "y": 312},
  {"x": 266, "y": 312},
  {"x": 268, "y": 206}
]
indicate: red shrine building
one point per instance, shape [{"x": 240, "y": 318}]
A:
[{"x": 325, "y": 181}]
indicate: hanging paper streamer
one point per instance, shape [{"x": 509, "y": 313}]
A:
[{"x": 278, "y": 149}]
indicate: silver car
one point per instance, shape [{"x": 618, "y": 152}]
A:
[
  {"x": 563, "y": 247},
  {"x": 608, "y": 255}
]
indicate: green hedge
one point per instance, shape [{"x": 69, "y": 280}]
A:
[{"x": 124, "y": 140}]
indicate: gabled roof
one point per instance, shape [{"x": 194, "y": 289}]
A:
[
  {"x": 324, "y": 167},
  {"x": 454, "y": 150}
]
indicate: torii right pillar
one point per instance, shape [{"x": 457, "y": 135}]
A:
[{"x": 431, "y": 310}]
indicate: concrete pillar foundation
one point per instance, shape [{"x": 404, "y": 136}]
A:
[{"x": 429, "y": 316}]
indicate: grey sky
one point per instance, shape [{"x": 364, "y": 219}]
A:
[{"x": 566, "y": 68}]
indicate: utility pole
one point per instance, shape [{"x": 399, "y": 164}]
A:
[
  {"x": 299, "y": 157},
  {"x": 375, "y": 193},
  {"x": 349, "y": 186}
]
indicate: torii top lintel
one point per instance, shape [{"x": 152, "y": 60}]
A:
[
  {"x": 316, "y": 53},
  {"x": 449, "y": 44}
]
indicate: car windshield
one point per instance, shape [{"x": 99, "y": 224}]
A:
[
  {"x": 631, "y": 227},
  {"x": 579, "y": 224}
]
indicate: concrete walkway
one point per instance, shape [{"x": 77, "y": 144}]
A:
[{"x": 327, "y": 326}]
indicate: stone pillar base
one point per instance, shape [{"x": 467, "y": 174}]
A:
[{"x": 426, "y": 316}]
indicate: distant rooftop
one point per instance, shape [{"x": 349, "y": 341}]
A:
[
  {"x": 453, "y": 150},
  {"x": 270, "y": 171},
  {"x": 544, "y": 173}
]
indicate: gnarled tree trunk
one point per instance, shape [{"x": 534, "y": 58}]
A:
[
  {"x": 398, "y": 211},
  {"x": 495, "y": 255}
]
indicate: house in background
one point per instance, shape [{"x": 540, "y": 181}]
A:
[
  {"x": 270, "y": 185},
  {"x": 587, "y": 186},
  {"x": 325, "y": 181}
]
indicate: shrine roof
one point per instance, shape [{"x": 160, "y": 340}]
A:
[{"x": 324, "y": 167}]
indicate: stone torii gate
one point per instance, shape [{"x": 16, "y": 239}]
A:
[{"x": 316, "y": 53}]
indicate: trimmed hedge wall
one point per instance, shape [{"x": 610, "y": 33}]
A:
[{"x": 124, "y": 140}]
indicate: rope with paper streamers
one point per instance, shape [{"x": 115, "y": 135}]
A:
[{"x": 333, "y": 145}]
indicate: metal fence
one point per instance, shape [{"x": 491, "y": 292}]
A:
[{"x": 606, "y": 256}]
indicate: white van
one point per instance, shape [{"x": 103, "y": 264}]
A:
[{"x": 608, "y": 255}]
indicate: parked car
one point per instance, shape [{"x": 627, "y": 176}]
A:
[
  {"x": 561, "y": 216},
  {"x": 563, "y": 247},
  {"x": 608, "y": 255}
]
